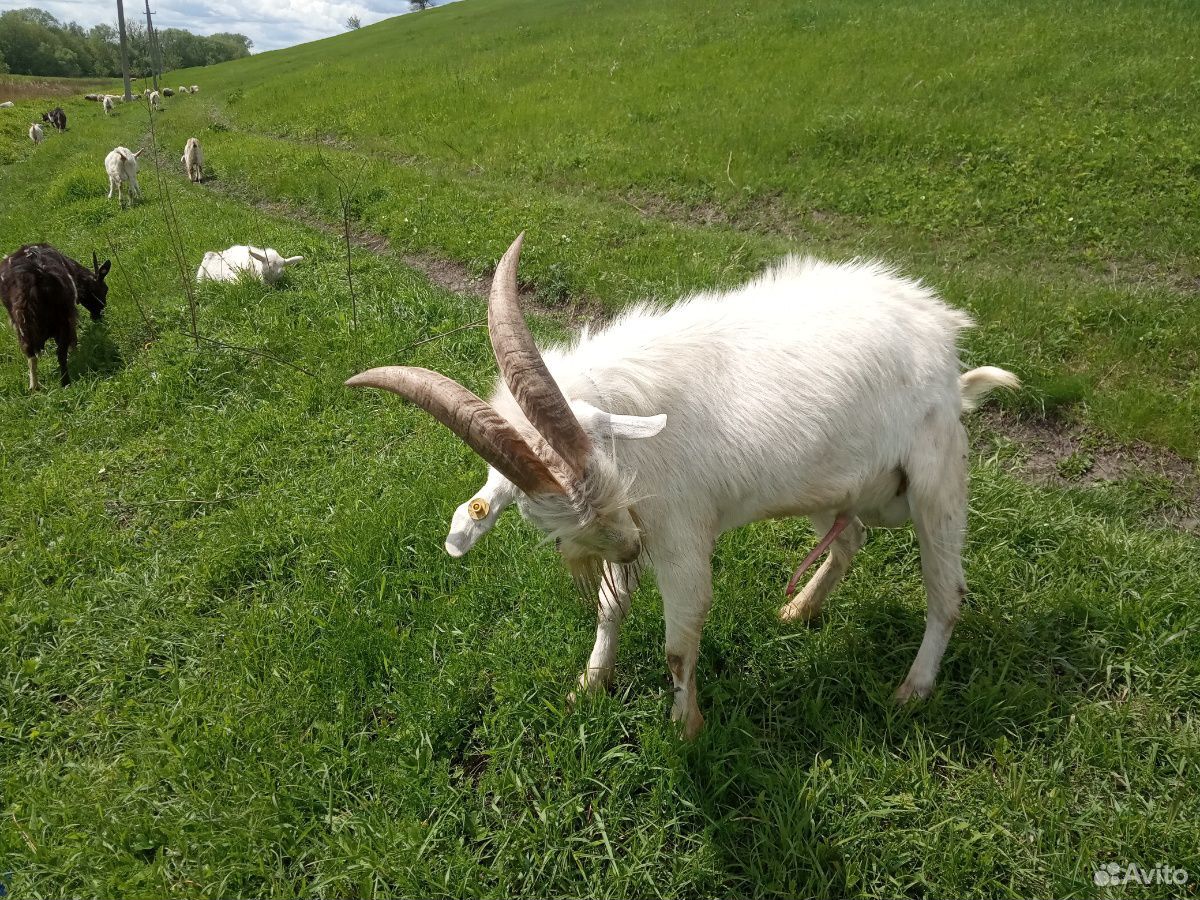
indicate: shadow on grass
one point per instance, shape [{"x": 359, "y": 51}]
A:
[
  {"x": 97, "y": 353},
  {"x": 778, "y": 764}
]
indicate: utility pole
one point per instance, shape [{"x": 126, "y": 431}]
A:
[
  {"x": 155, "y": 63},
  {"x": 124, "y": 49}
]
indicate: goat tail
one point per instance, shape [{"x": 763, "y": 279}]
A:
[{"x": 978, "y": 383}]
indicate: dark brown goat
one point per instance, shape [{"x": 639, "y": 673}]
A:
[
  {"x": 57, "y": 118},
  {"x": 40, "y": 287}
]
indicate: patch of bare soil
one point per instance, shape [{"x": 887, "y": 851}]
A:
[
  {"x": 33, "y": 89},
  {"x": 1067, "y": 455}
]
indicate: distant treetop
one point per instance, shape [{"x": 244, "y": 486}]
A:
[{"x": 34, "y": 42}]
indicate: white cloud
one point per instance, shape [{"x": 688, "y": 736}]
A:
[{"x": 271, "y": 24}]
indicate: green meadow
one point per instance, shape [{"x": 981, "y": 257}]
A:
[{"x": 234, "y": 657}]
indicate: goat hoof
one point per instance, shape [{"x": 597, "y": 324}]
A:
[
  {"x": 691, "y": 726},
  {"x": 911, "y": 690},
  {"x": 589, "y": 682},
  {"x": 799, "y": 611}
]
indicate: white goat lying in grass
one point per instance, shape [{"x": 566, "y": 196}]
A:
[
  {"x": 121, "y": 164},
  {"x": 229, "y": 265},
  {"x": 819, "y": 390}
]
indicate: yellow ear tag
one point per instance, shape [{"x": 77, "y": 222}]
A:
[{"x": 478, "y": 508}]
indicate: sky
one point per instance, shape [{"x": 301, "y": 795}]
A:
[{"x": 271, "y": 24}]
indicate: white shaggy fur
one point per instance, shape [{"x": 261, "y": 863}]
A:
[
  {"x": 121, "y": 164},
  {"x": 193, "y": 160},
  {"x": 108, "y": 104},
  {"x": 229, "y": 265},
  {"x": 817, "y": 390},
  {"x": 195, "y": 89},
  {"x": 155, "y": 99},
  {"x": 36, "y": 134},
  {"x": 183, "y": 90}
]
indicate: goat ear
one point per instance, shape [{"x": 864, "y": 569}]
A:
[
  {"x": 292, "y": 260},
  {"x": 475, "y": 518},
  {"x": 606, "y": 424},
  {"x": 261, "y": 257},
  {"x": 139, "y": 153},
  {"x": 104, "y": 267}
]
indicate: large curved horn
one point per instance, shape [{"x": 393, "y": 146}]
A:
[
  {"x": 480, "y": 427},
  {"x": 524, "y": 371}
]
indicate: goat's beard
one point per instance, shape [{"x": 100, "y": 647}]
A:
[
  {"x": 593, "y": 575},
  {"x": 588, "y": 573}
]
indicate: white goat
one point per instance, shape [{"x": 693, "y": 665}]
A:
[
  {"x": 36, "y": 134},
  {"x": 183, "y": 90},
  {"x": 265, "y": 265},
  {"x": 193, "y": 160},
  {"x": 108, "y": 104},
  {"x": 828, "y": 391},
  {"x": 155, "y": 99},
  {"x": 121, "y": 164},
  {"x": 7, "y": 104},
  {"x": 195, "y": 89}
]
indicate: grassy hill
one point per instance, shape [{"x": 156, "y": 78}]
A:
[
  {"x": 237, "y": 660},
  {"x": 1039, "y": 164}
]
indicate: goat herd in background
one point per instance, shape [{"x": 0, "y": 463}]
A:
[
  {"x": 831, "y": 391},
  {"x": 40, "y": 286}
]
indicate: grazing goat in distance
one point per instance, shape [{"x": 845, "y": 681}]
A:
[
  {"x": 167, "y": 92},
  {"x": 183, "y": 90},
  {"x": 108, "y": 104},
  {"x": 265, "y": 265},
  {"x": 154, "y": 99},
  {"x": 195, "y": 89},
  {"x": 121, "y": 164},
  {"x": 193, "y": 160},
  {"x": 40, "y": 287},
  {"x": 823, "y": 390},
  {"x": 36, "y": 134},
  {"x": 56, "y": 117}
]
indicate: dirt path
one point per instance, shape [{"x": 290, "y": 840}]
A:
[
  {"x": 1051, "y": 452},
  {"x": 1068, "y": 455}
]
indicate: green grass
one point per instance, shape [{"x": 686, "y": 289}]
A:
[
  {"x": 235, "y": 659},
  {"x": 1039, "y": 164}
]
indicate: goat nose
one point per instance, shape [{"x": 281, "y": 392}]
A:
[{"x": 631, "y": 554}]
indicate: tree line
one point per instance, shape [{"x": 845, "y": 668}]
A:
[{"x": 33, "y": 42}]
